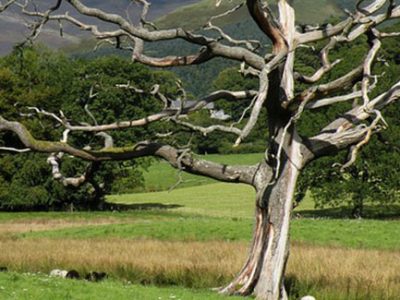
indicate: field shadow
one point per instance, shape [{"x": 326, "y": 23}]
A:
[
  {"x": 388, "y": 212},
  {"x": 295, "y": 288},
  {"x": 141, "y": 206}
]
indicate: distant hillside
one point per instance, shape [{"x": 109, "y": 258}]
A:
[
  {"x": 195, "y": 15},
  {"x": 168, "y": 13},
  {"x": 13, "y": 29},
  {"x": 198, "y": 79}
]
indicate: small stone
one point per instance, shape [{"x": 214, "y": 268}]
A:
[
  {"x": 72, "y": 274},
  {"x": 308, "y": 298}
]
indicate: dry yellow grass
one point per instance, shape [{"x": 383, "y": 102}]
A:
[
  {"x": 205, "y": 263},
  {"x": 190, "y": 263},
  {"x": 342, "y": 269},
  {"x": 15, "y": 226}
]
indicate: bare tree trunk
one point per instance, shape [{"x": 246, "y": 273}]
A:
[
  {"x": 246, "y": 281},
  {"x": 279, "y": 198},
  {"x": 263, "y": 273},
  {"x": 358, "y": 207}
]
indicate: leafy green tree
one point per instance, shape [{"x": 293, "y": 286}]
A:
[
  {"x": 368, "y": 181},
  {"x": 51, "y": 81}
]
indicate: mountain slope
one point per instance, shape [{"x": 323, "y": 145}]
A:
[
  {"x": 13, "y": 29},
  {"x": 169, "y": 13},
  {"x": 196, "y": 15}
]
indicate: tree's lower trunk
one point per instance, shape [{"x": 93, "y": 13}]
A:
[
  {"x": 263, "y": 273},
  {"x": 358, "y": 208}
]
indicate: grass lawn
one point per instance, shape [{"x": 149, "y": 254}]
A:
[
  {"x": 231, "y": 207},
  {"x": 14, "y": 286},
  {"x": 218, "y": 200},
  {"x": 160, "y": 176},
  {"x": 215, "y": 212},
  {"x": 364, "y": 234}
]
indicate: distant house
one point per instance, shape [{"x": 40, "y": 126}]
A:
[
  {"x": 188, "y": 103},
  {"x": 214, "y": 114},
  {"x": 219, "y": 115}
]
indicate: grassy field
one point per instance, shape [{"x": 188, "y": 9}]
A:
[
  {"x": 325, "y": 271},
  {"x": 160, "y": 176},
  {"x": 16, "y": 286},
  {"x": 193, "y": 237},
  {"x": 191, "y": 249},
  {"x": 171, "y": 226}
]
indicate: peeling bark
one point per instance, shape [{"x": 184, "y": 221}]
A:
[
  {"x": 279, "y": 202},
  {"x": 263, "y": 272}
]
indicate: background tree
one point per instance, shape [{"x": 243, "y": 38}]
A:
[
  {"x": 287, "y": 95},
  {"x": 38, "y": 77},
  {"x": 369, "y": 180}
]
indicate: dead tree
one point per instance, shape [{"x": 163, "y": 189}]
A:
[{"x": 274, "y": 178}]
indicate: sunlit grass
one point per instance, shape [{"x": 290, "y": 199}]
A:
[
  {"x": 219, "y": 199},
  {"x": 367, "y": 234},
  {"x": 160, "y": 176},
  {"x": 14, "y": 286},
  {"x": 327, "y": 272}
]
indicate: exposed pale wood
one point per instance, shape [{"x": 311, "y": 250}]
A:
[{"x": 265, "y": 20}]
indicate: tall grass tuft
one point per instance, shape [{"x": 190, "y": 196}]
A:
[{"x": 326, "y": 272}]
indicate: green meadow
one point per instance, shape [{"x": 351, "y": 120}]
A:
[
  {"x": 16, "y": 286},
  {"x": 179, "y": 244}
]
